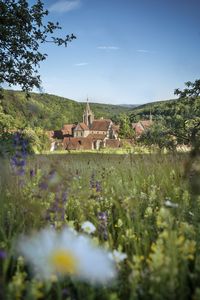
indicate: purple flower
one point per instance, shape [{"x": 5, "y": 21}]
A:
[
  {"x": 32, "y": 173},
  {"x": 3, "y": 254},
  {"x": 16, "y": 138},
  {"x": 52, "y": 174},
  {"x": 20, "y": 172},
  {"x": 18, "y": 161},
  {"x": 98, "y": 186},
  {"x": 102, "y": 216},
  {"x": 43, "y": 185},
  {"x": 103, "y": 224},
  {"x": 65, "y": 292},
  {"x": 57, "y": 208},
  {"x": 92, "y": 181},
  {"x": 64, "y": 197}
]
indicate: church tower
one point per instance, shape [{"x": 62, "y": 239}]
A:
[{"x": 88, "y": 116}]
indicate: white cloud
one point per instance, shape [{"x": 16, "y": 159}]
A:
[
  {"x": 108, "y": 47},
  {"x": 144, "y": 51},
  {"x": 64, "y": 6},
  {"x": 81, "y": 64}
]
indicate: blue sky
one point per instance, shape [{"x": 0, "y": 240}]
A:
[{"x": 127, "y": 51}]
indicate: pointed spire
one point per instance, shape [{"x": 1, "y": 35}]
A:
[
  {"x": 87, "y": 105},
  {"x": 88, "y": 116}
]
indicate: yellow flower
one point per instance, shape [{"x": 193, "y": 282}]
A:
[{"x": 63, "y": 261}]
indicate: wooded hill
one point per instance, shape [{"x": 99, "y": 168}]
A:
[
  {"x": 163, "y": 110},
  {"x": 156, "y": 109},
  {"x": 50, "y": 111}
]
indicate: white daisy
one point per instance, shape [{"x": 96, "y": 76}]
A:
[
  {"x": 51, "y": 253},
  {"x": 169, "y": 203},
  {"x": 88, "y": 227},
  {"x": 117, "y": 256}
]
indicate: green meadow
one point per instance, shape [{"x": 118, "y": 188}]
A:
[{"x": 140, "y": 204}]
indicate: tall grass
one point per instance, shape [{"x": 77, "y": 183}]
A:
[{"x": 148, "y": 212}]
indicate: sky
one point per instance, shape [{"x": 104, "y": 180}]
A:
[{"x": 126, "y": 51}]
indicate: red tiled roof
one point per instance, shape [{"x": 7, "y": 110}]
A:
[
  {"x": 81, "y": 126},
  {"x": 97, "y": 136},
  {"x": 100, "y": 125},
  {"x": 140, "y": 126},
  {"x": 146, "y": 123},
  {"x": 77, "y": 143},
  {"x": 67, "y": 129}
]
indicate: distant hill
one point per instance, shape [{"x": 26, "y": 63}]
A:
[
  {"x": 156, "y": 109},
  {"x": 50, "y": 111},
  {"x": 129, "y": 105}
]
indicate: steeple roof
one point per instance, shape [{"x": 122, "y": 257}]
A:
[{"x": 87, "y": 106}]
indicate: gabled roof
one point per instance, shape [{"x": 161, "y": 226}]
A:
[
  {"x": 71, "y": 143},
  {"x": 67, "y": 129},
  {"x": 100, "y": 125},
  {"x": 81, "y": 126},
  {"x": 140, "y": 126}
]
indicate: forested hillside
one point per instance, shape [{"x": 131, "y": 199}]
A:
[
  {"x": 175, "y": 121},
  {"x": 50, "y": 111},
  {"x": 156, "y": 109}
]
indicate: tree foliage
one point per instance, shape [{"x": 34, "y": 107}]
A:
[
  {"x": 22, "y": 31},
  {"x": 7, "y": 122},
  {"x": 176, "y": 118},
  {"x": 190, "y": 97},
  {"x": 191, "y": 91},
  {"x": 159, "y": 135},
  {"x": 50, "y": 112},
  {"x": 125, "y": 129}
]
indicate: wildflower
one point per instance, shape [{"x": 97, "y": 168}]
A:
[
  {"x": 98, "y": 186},
  {"x": 32, "y": 173},
  {"x": 102, "y": 216},
  {"x": 148, "y": 212},
  {"x": 53, "y": 178},
  {"x": 117, "y": 256},
  {"x": 168, "y": 203},
  {"x": 52, "y": 253},
  {"x": 2, "y": 254},
  {"x": 64, "y": 197},
  {"x": 56, "y": 211},
  {"x": 88, "y": 227},
  {"x": 103, "y": 224},
  {"x": 119, "y": 223},
  {"x": 43, "y": 185},
  {"x": 92, "y": 181},
  {"x": 18, "y": 161}
]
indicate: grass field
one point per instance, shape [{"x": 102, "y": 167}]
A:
[{"x": 140, "y": 205}]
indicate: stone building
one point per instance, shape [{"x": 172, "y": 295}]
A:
[{"x": 90, "y": 134}]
